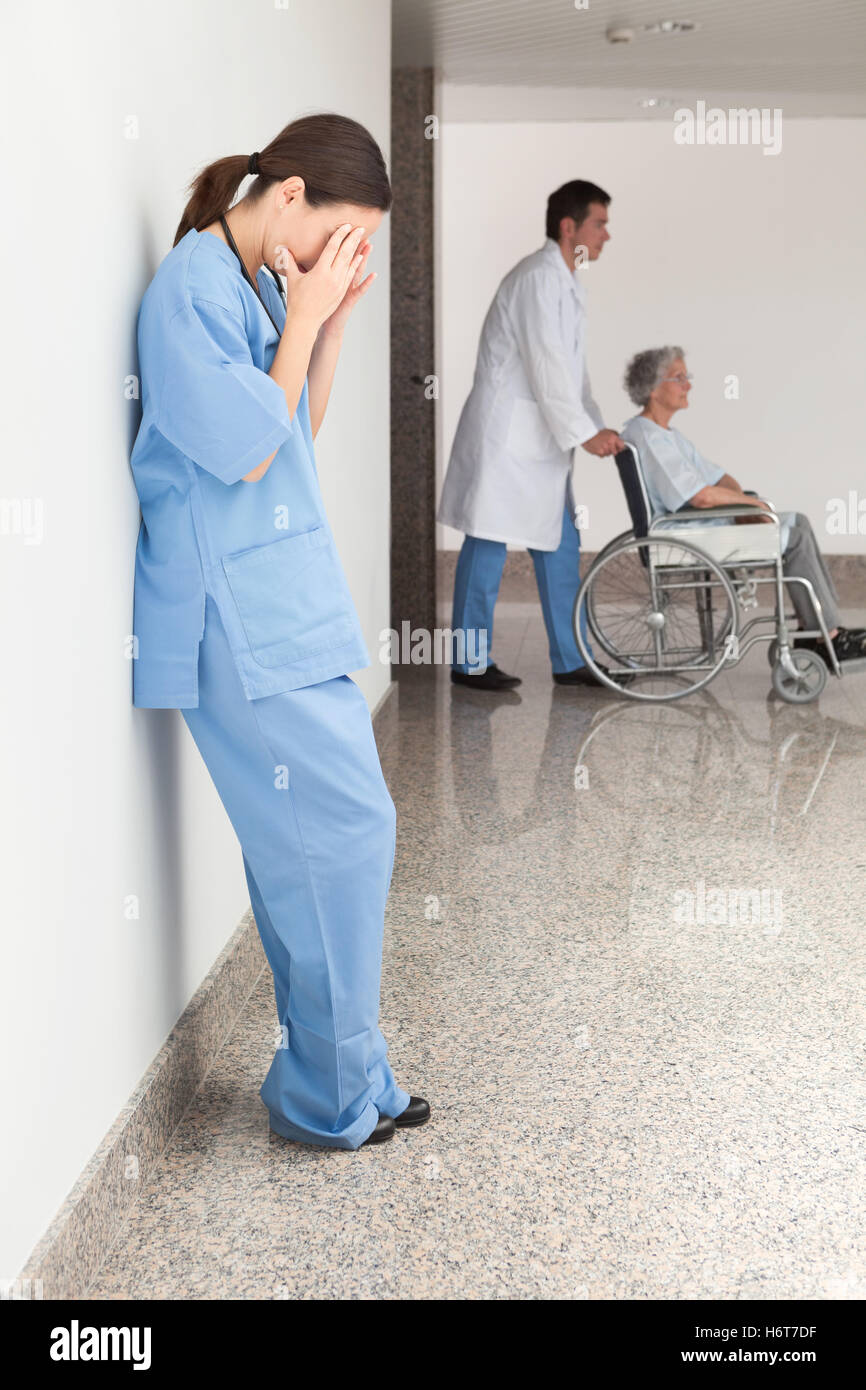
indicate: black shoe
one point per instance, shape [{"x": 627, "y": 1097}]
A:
[
  {"x": 491, "y": 678},
  {"x": 385, "y": 1129},
  {"x": 417, "y": 1112},
  {"x": 582, "y": 675},
  {"x": 849, "y": 644}
]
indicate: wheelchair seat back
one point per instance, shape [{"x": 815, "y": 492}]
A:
[
  {"x": 631, "y": 477},
  {"x": 727, "y": 544}
]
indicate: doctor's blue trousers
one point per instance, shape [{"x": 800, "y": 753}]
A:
[
  {"x": 299, "y": 776},
  {"x": 557, "y": 573}
]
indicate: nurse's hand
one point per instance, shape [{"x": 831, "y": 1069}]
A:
[
  {"x": 603, "y": 444},
  {"x": 359, "y": 286},
  {"x": 315, "y": 296}
]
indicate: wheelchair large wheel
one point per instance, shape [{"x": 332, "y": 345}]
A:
[
  {"x": 807, "y": 683},
  {"x": 609, "y": 637},
  {"x": 663, "y": 610},
  {"x": 615, "y": 544}
]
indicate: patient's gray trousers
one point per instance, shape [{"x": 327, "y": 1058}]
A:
[{"x": 803, "y": 559}]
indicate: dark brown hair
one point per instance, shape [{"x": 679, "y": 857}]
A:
[
  {"x": 572, "y": 200},
  {"x": 337, "y": 158}
]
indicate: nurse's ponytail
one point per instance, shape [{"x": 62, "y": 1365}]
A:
[{"x": 337, "y": 158}]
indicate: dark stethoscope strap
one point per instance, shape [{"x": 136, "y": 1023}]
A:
[{"x": 246, "y": 274}]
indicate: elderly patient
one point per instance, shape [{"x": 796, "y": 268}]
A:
[{"x": 676, "y": 476}]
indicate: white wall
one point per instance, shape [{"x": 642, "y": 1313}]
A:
[
  {"x": 753, "y": 262},
  {"x": 101, "y": 801}
]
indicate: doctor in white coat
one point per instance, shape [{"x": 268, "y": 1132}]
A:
[{"x": 509, "y": 474}]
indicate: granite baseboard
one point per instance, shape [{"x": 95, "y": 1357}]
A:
[
  {"x": 67, "y": 1258},
  {"x": 69, "y": 1254},
  {"x": 518, "y": 577}
]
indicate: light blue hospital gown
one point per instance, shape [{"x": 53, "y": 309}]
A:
[{"x": 674, "y": 471}]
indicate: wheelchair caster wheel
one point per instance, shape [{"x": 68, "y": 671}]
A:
[
  {"x": 773, "y": 650},
  {"x": 809, "y": 681}
]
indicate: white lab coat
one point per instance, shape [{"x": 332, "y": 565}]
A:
[{"x": 530, "y": 405}]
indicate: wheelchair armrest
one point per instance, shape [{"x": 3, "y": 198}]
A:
[{"x": 729, "y": 510}]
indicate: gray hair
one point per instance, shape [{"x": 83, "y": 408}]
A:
[{"x": 646, "y": 370}]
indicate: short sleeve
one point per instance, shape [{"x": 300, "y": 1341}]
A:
[
  {"x": 215, "y": 405},
  {"x": 710, "y": 472},
  {"x": 672, "y": 478}
]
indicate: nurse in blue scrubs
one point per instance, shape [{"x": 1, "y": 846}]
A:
[{"x": 243, "y": 617}]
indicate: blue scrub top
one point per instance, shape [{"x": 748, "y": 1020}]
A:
[{"x": 264, "y": 551}]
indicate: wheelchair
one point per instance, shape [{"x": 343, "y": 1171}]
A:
[{"x": 663, "y": 602}]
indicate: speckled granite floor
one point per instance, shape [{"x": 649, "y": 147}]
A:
[{"x": 635, "y": 1093}]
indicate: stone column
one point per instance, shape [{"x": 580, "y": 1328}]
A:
[{"x": 413, "y": 441}]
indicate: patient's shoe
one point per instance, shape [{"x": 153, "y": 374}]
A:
[
  {"x": 417, "y": 1112},
  {"x": 849, "y": 644}
]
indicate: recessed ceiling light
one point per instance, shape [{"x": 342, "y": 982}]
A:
[
  {"x": 671, "y": 26},
  {"x": 654, "y": 103},
  {"x": 619, "y": 33}
]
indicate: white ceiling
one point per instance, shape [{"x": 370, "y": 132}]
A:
[{"x": 807, "y": 56}]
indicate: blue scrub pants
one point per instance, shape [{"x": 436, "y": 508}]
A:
[
  {"x": 557, "y": 573},
  {"x": 299, "y": 776}
]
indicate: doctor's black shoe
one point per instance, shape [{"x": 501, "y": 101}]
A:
[
  {"x": 417, "y": 1112},
  {"x": 491, "y": 678},
  {"x": 582, "y": 675},
  {"x": 385, "y": 1129}
]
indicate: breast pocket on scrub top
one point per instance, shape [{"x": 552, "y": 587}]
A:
[
  {"x": 291, "y": 597},
  {"x": 528, "y": 434}
]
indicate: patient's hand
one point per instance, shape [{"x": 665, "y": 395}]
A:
[{"x": 756, "y": 502}]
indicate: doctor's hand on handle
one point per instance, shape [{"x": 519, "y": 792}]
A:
[
  {"x": 603, "y": 444},
  {"x": 323, "y": 295}
]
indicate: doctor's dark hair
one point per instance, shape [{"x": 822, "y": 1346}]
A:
[
  {"x": 572, "y": 200},
  {"x": 337, "y": 158}
]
